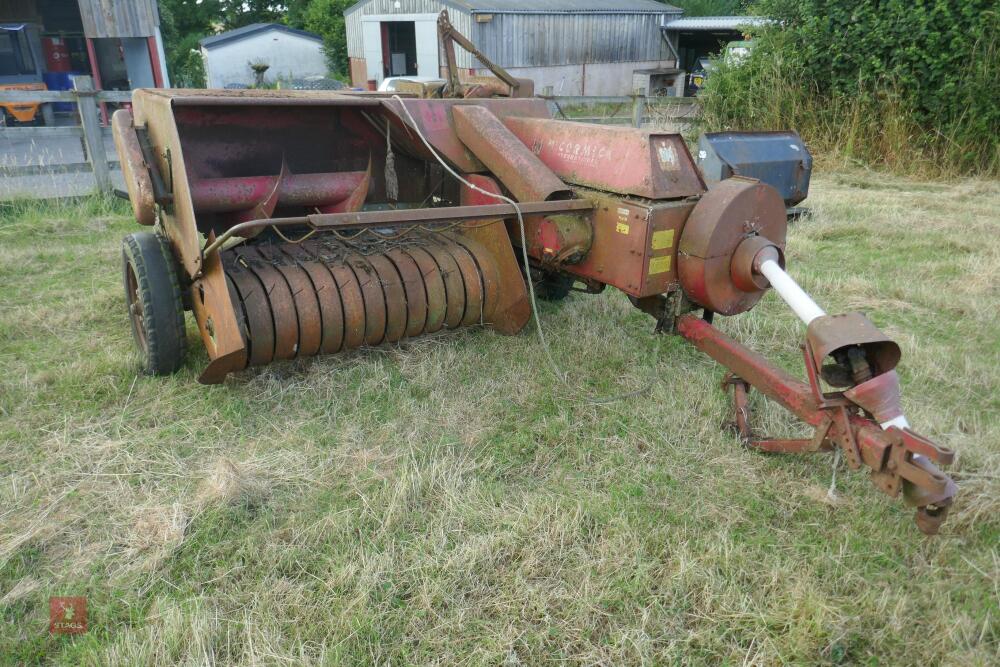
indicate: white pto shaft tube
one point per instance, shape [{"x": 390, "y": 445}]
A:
[
  {"x": 898, "y": 422},
  {"x": 806, "y": 309},
  {"x": 789, "y": 290}
]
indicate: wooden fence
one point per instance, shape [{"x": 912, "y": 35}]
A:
[
  {"x": 88, "y": 103},
  {"x": 634, "y": 110}
]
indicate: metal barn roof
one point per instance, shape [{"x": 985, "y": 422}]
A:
[
  {"x": 253, "y": 28},
  {"x": 707, "y": 23},
  {"x": 567, "y": 6},
  {"x": 551, "y": 6}
]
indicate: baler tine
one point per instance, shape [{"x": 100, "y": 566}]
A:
[{"x": 276, "y": 225}]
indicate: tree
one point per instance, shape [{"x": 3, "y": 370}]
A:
[
  {"x": 326, "y": 19},
  {"x": 183, "y": 23},
  {"x": 239, "y": 13}
]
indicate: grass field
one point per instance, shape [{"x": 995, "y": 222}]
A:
[{"x": 448, "y": 501}]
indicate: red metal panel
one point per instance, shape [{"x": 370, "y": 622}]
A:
[
  {"x": 614, "y": 159},
  {"x": 95, "y": 71},
  {"x": 434, "y": 118},
  {"x": 635, "y": 244},
  {"x": 154, "y": 61},
  {"x": 507, "y": 158},
  {"x": 238, "y": 193}
]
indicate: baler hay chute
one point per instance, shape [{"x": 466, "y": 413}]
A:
[{"x": 297, "y": 223}]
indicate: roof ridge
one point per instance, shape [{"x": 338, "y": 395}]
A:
[{"x": 250, "y": 28}]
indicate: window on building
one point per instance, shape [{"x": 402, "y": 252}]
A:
[{"x": 15, "y": 56}]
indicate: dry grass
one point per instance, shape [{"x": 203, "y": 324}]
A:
[{"x": 448, "y": 502}]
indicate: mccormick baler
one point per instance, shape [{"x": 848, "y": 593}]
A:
[{"x": 295, "y": 224}]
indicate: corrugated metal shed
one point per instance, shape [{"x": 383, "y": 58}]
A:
[
  {"x": 567, "y": 6},
  {"x": 536, "y": 40},
  {"x": 522, "y": 33},
  {"x": 119, "y": 18},
  {"x": 459, "y": 13}
]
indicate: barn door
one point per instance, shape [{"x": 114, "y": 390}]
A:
[
  {"x": 371, "y": 34},
  {"x": 427, "y": 48}
]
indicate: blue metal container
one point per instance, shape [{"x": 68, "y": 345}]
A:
[
  {"x": 60, "y": 81},
  {"x": 779, "y": 159}
]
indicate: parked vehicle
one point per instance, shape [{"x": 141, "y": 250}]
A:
[
  {"x": 697, "y": 76},
  {"x": 737, "y": 52},
  {"x": 734, "y": 54},
  {"x": 20, "y": 69},
  {"x": 394, "y": 83}
]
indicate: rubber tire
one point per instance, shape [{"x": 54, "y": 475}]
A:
[
  {"x": 159, "y": 293},
  {"x": 553, "y": 286}
]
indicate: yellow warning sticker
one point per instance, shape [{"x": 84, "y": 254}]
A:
[
  {"x": 659, "y": 264},
  {"x": 622, "y": 228},
  {"x": 663, "y": 239}
]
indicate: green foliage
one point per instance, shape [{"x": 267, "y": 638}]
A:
[
  {"x": 238, "y": 13},
  {"x": 326, "y": 19},
  {"x": 188, "y": 66},
  {"x": 183, "y": 23},
  {"x": 711, "y": 7},
  {"x": 909, "y": 85}
]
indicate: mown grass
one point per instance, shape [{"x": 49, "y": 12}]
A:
[{"x": 447, "y": 501}]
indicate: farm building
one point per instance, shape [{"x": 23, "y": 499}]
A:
[
  {"x": 45, "y": 43},
  {"x": 573, "y": 47},
  {"x": 286, "y": 52},
  {"x": 701, "y": 36}
]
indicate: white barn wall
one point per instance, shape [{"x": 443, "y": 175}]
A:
[
  {"x": 425, "y": 29},
  {"x": 553, "y": 48},
  {"x": 386, "y": 10},
  {"x": 595, "y": 79},
  {"x": 288, "y": 56}
]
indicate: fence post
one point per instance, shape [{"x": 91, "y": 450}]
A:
[
  {"x": 638, "y": 107},
  {"x": 86, "y": 102}
]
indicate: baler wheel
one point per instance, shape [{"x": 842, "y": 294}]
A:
[
  {"x": 153, "y": 298},
  {"x": 553, "y": 286}
]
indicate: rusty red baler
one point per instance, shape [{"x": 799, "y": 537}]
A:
[{"x": 297, "y": 223}]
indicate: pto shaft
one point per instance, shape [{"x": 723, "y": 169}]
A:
[
  {"x": 766, "y": 264},
  {"x": 789, "y": 290}
]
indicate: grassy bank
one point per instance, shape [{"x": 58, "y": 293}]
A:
[{"x": 447, "y": 501}]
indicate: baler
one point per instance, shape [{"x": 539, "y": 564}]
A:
[{"x": 296, "y": 224}]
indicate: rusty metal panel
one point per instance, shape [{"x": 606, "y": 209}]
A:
[
  {"x": 133, "y": 164},
  {"x": 828, "y": 334},
  {"x": 616, "y": 159},
  {"x": 512, "y": 311},
  {"x": 722, "y": 219},
  {"x": 437, "y": 124},
  {"x": 527, "y": 177},
  {"x": 635, "y": 244},
  {"x": 119, "y": 18}
]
